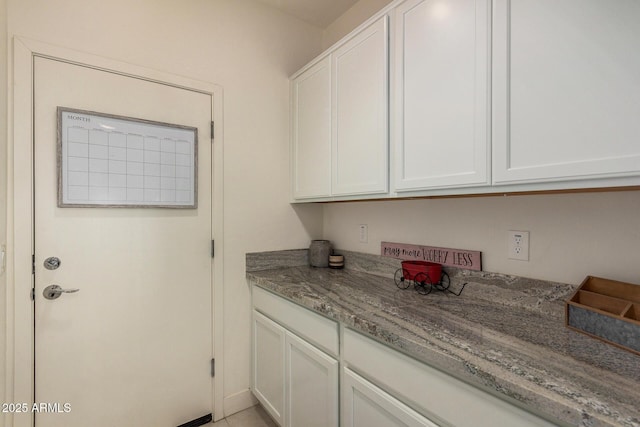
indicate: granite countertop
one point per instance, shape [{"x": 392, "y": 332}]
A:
[{"x": 504, "y": 334}]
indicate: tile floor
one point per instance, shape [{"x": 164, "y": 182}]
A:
[{"x": 252, "y": 417}]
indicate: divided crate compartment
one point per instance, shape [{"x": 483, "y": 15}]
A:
[{"x": 608, "y": 310}]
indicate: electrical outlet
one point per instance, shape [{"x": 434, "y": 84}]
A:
[
  {"x": 364, "y": 233},
  {"x": 519, "y": 245}
]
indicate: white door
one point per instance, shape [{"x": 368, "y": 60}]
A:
[{"x": 133, "y": 346}]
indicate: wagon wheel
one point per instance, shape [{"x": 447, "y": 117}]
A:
[
  {"x": 399, "y": 279},
  {"x": 422, "y": 283},
  {"x": 444, "y": 283}
]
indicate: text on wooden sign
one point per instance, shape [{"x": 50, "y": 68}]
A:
[{"x": 460, "y": 258}]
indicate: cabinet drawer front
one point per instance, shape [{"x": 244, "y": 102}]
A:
[
  {"x": 439, "y": 395},
  {"x": 316, "y": 329},
  {"x": 364, "y": 404}
]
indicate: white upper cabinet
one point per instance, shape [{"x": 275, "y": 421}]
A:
[
  {"x": 339, "y": 119},
  {"x": 441, "y": 94},
  {"x": 360, "y": 113},
  {"x": 443, "y": 97},
  {"x": 566, "y": 90},
  {"x": 311, "y": 131}
]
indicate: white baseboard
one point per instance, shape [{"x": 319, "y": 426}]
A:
[{"x": 238, "y": 402}]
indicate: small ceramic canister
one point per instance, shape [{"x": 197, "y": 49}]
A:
[
  {"x": 319, "y": 251},
  {"x": 336, "y": 261}
]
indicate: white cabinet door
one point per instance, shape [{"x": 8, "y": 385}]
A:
[
  {"x": 565, "y": 90},
  {"x": 311, "y": 131},
  {"x": 295, "y": 381},
  {"x": 312, "y": 385},
  {"x": 360, "y": 113},
  {"x": 365, "y": 405},
  {"x": 441, "y": 96},
  {"x": 268, "y": 381}
]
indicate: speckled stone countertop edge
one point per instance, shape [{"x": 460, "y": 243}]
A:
[{"x": 529, "y": 383}]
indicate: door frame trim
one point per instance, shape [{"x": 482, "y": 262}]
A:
[{"x": 19, "y": 370}]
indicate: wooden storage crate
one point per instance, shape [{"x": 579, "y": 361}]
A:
[{"x": 608, "y": 310}]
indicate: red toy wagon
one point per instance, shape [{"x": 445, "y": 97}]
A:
[{"x": 424, "y": 275}]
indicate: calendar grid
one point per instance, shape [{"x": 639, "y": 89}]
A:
[{"x": 112, "y": 161}]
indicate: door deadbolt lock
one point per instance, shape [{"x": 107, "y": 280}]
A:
[
  {"x": 52, "y": 263},
  {"x": 54, "y": 291}
]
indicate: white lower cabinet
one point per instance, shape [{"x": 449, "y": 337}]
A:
[
  {"x": 312, "y": 385},
  {"x": 296, "y": 382},
  {"x": 295, "y": 369},
  {"x": 268, "y": 365},
  {"x": 446, "y": 400},
  {"x": 365, "y": 405},
  {"x": 297, "y": 360}
]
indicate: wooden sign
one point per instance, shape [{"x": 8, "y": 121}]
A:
[{"x": 460, "y": 258}]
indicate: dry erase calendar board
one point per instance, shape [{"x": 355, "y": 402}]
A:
[{"x": 113, "y": 161}]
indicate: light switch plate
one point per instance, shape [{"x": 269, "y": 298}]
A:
[{"x": 364, "y": 233}]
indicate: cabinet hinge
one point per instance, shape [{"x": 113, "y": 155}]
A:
[
  {"x": 33, "y": 264},
  {"x": 213, "y": 248},
  {"x": 212, "y": 130},
  {"x": 33, "y": 294},
  {"x": 213, "y": 368}
]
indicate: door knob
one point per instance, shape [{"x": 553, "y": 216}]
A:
[{"x": 54, "y": 291}]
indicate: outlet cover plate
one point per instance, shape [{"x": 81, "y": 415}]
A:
[{"x": 518, "y": 244}]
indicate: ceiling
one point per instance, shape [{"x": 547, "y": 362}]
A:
[{"x": 320, "y": 13}]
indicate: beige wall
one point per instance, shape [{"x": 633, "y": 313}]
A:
[
  {"x": 571, "y": 235},
  {"x": 250, "y": 50},
  {"x": 356, "y": 15}
]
